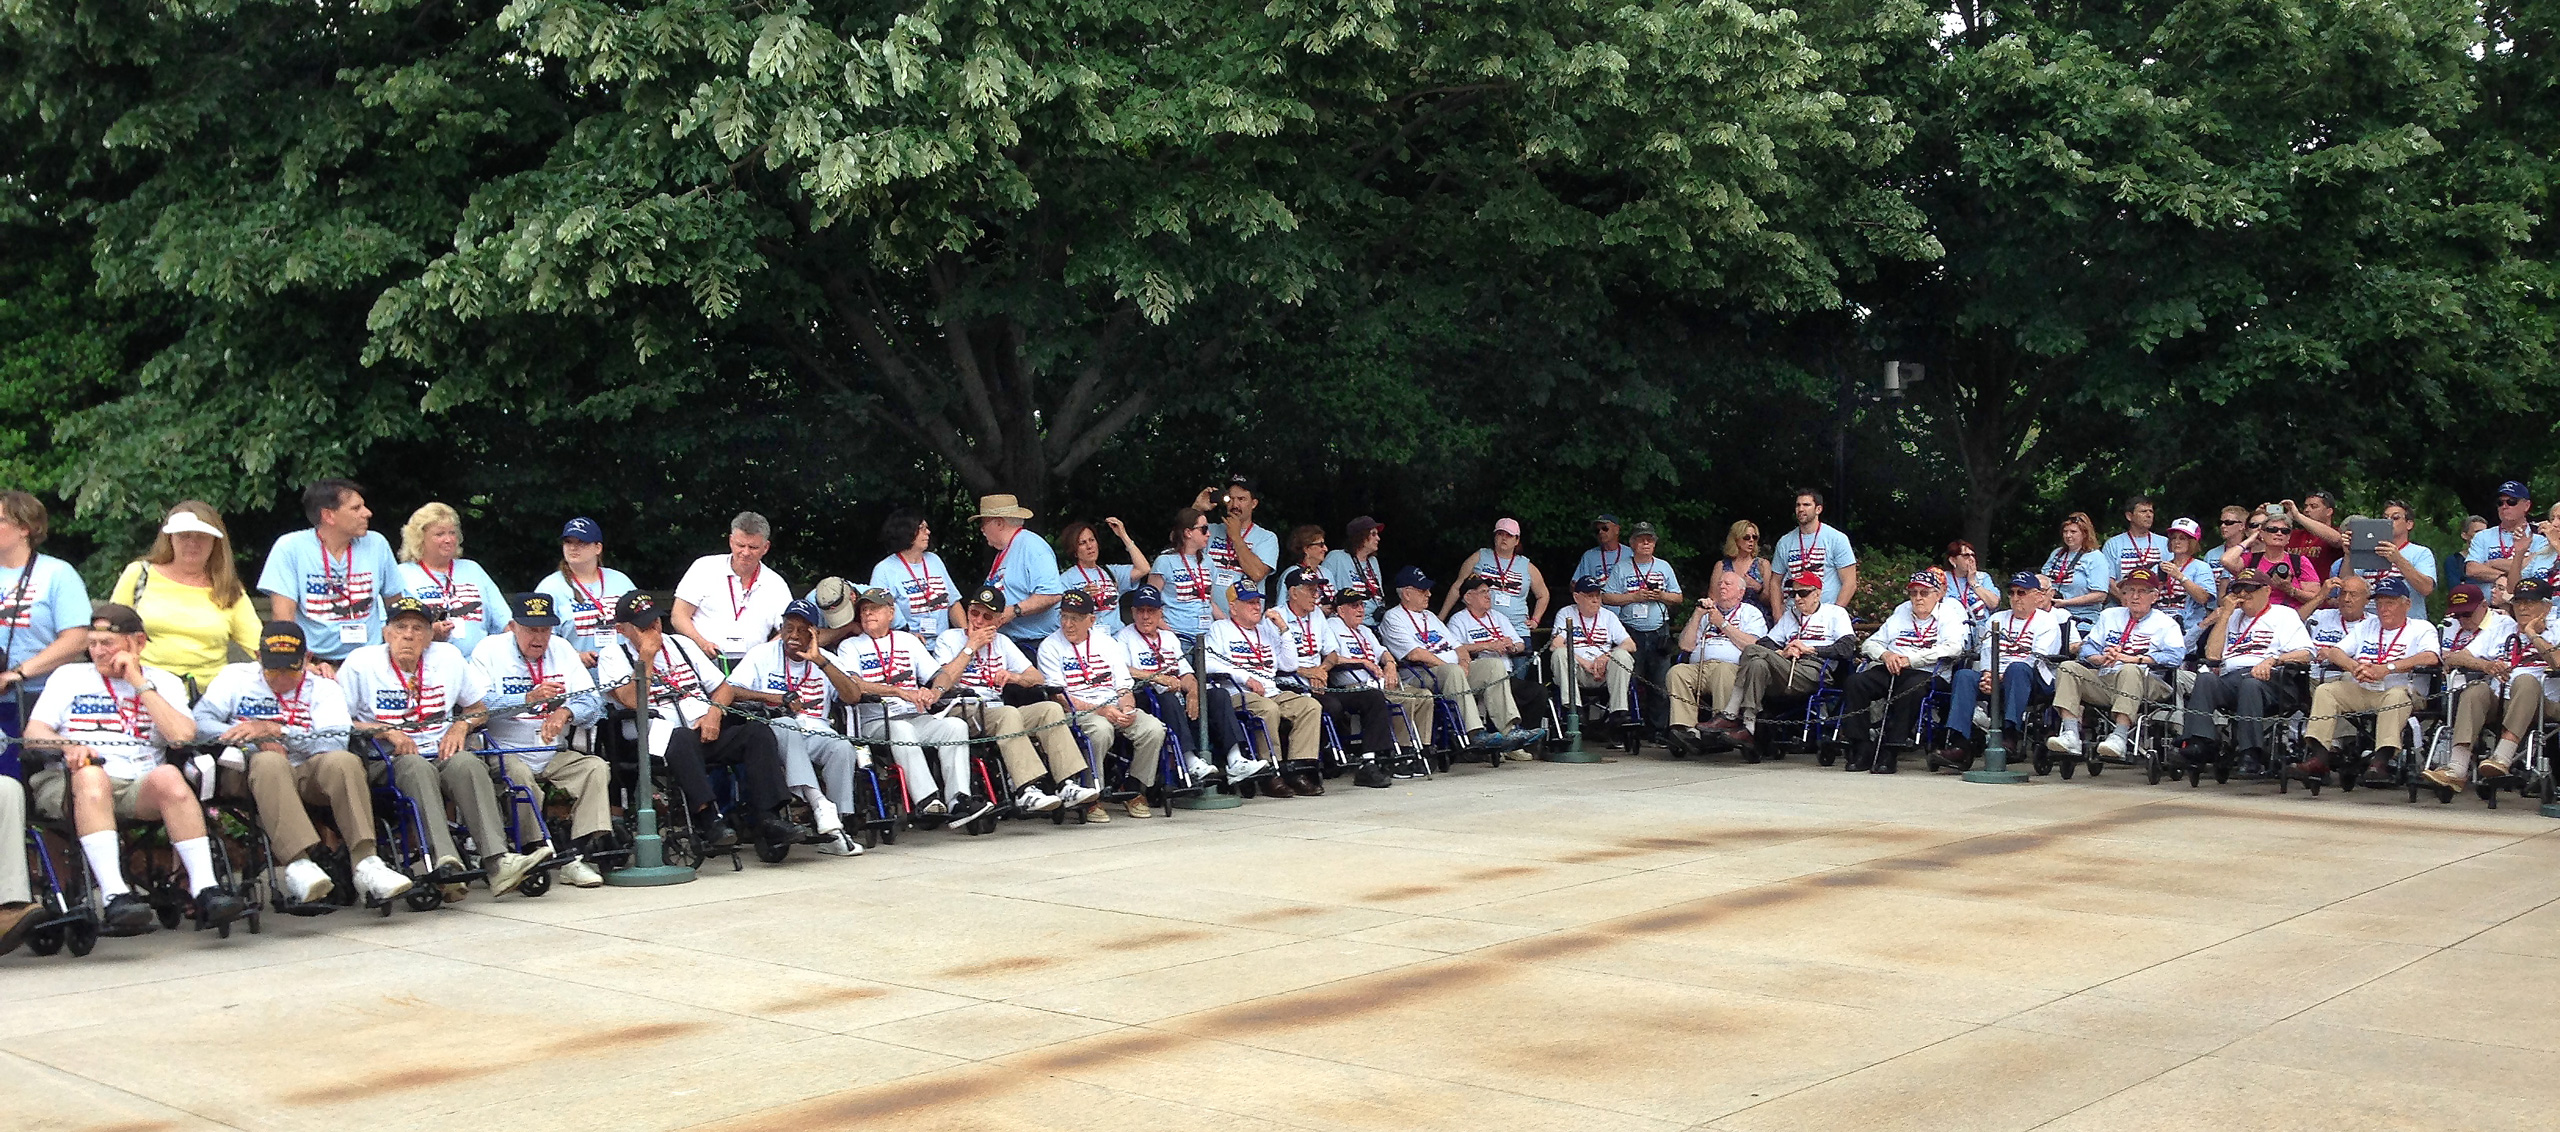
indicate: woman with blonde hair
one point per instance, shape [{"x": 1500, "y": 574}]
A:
[
  {"x": 468, "y": 606},
  {"x": 2078, "y": 573},
  {"x": 188, "y": 591},
  {"x": 1742, "y": 556}
]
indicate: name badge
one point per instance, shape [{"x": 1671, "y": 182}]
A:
[{"x": 351, "y": 632}]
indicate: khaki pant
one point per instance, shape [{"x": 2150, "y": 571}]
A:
[
  {"x": 1146, "y": 741},
  {"x": 1021, "y": 763},
  {"x": 461, "y": 781},
  {"x": 1482, "y": 688},
  {"x": 1716, "y": 681},
  {"x": 2525, "y": 710},
  {"x": 2075, "y": 684},
  {"x": 1295, "y": 715},
  {"x": 52, "y": 791},
  {"x": 1618, "y": 671},
  {"x": 1764, "y": 668},
  {"x": 2334, "y": 698},
  {"x": 1416, "y": 704},
  {"x": 583, "y": 777},
  {"x": 284, "y": 794},
  {"x": 13, "y": 842}
]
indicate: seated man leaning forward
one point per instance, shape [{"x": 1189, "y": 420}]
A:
[
  {"x": 1480, "y": 685},
  {"x": 981, "y": 662},
  {"x": 1915, "y": 646},
  {"x": 290, "y": 724},
  {"x": 1094, "y": 673},
  {"x": 2115, "y": 663},
  {"x": 110, "y": 717},
  {"x": 2376, "y": 658},
  {"x": 1789, "y": 660},
  {"x": 1722, "y": 627}
]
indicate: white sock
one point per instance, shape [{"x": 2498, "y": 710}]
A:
[
  {"x": 2506, "y": 751},
  {"x": 2070, "y": 729},
  {"x": 197, "y": 852},
  {"x": 824, "y": 813},
  {"x": 100, "y": 848}
]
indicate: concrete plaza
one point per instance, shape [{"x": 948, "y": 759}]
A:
[{"x": 1644, "y": 944}]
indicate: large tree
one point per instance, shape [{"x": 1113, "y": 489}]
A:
[{"x": 1007, "y": 231}]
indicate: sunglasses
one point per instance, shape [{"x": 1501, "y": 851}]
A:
[
  {"x": 1201, "y": 527},
  {"x": 2245, "y": 587},
  {"x": 2277, "y": 530},
  {"x": 2231, "y": 522}
]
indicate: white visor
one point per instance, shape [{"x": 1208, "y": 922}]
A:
[{"x": 186, "y": 523}]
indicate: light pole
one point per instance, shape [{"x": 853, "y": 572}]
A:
[
  {"x": 1898, "y": 379},
  {"x": 649, "y": 866}
]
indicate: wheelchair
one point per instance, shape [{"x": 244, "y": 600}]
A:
[
  {"x": 618, "y": 745},
  {"x": 1814, "y": 725},
  {"x": 1929, "y": 727},
  {"x": 1445, "y": 742},
  {"x": 513, "y": 798},
  {"x": 2147, "y": 744},
  {"x": 73, "y": 914},
  {"x": 402, "y": 840},
  {"x": 2529, "y": 775}
]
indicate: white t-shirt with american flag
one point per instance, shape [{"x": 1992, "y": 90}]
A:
[
  {"x": 1151, "y": 653},
  {"x": 899, "y": 659},
  {"x": 2272, "y": 633},
  {"x": 2028, "y": 637},
  {"x": 1407, "y": 631},
  {"x": 1356, "y": 642},
  {"x": 1491, "y": 627},
  {"x": 2156, "y": 636},
  {"x": 1590, "y": 637},
  {"x": 1093, "y": 671},
  {"x": 767, "y": 669},
  {"x": 2370, "y": 642},
  {"x": 86, "y": 707},
  {"x": 1828, "y": 623},
  {"x": 419, "y": 699},
  {"x": 313, "y": 714},
  {"x": 1308, "y": 638},
  {"x": 989, "y": 668},
  {"x": 1251, "y": 656}
]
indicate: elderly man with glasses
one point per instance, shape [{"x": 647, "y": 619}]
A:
[{"x": 2494, "y": 553}]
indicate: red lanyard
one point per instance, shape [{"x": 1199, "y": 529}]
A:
[
  {"x": 1085, "y": 660},
  {"x": 1588, "y": 633},
  {"x": 136, "y": 722},
  {"x": 1156, "y": 652},
  {"x": 292, "y": 711},
  {"x": 1352, "y": 639},
  {"x": 889, "y": 673},
  {"x": 816, "y": 708},
  {"x": 2241, "y": 631},
  {"x": 444, "y": 585},
  {"x": 1493, "y": 627},
  {"x": 985, "y": 661},
  {"x": 342, "y": 585},
  {"x": 1197, "y": 589},
  {"x": 417, "y": 693},
  {"x": 2386, "y": 651},
  {"x": 738, "y": 604},
  {"x": 1502, "y": 577},
  {"x": 594, "y": 598},
  {"x": 1306, "y": 640},
  {"x": 1421, "y": 635},
  {"x": 661, "y": 675},
  {"x": 2063, "y": 568},
  {"x": 1367, "y": 568},
  {"x": 533, "y": 667},
  {"x": 995, "y": 569},
  {"x": 1102, "y": 591},
  {"x": 2015, "y": 644},
  {"x": 1609, "y": 560},
  {"x": 1806, "y": 546}
]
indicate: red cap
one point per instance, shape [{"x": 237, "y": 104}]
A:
[{"x": 1805, "y": 581}]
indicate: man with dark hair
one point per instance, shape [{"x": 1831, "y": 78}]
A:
[
  {"x": 1237, "y": 547},
  {"x": 2136, "y": 545},
  {"x": 331, "y": 578},
  {"x": 1813, "y": 547}
]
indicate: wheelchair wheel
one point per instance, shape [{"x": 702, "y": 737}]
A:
[
  {"x": 536, "y": 883},
  {"x": 2488, "y": 793},
  {"x": 2042, "y": 761},
  {"x": 169, "y": 913},
  {"x": 2153, "y": 766},
  {"x": 2195, "y": 774},
  {"x": 681, "y": 847},
  {"x": 2066, "y": 764},
  {"x": 2444, "y": 796},
  {"x": 984, "y": 825},
  {"x": 49, "y": 941},
  {"x": 2097, "y": 765},
  {"x": 772, "y": 854},
  {"x": 425, "y": 896}
]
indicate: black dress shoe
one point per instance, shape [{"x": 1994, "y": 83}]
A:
[
  {"x": 216, "y": 906},
  {"x": 1373, "y": 775},
  {"x": 128, "y": 914},
  {"x": 1886, "y": 763},
  {"x": 1308, "y": 783},
  {"x": 716, "y": 833}
]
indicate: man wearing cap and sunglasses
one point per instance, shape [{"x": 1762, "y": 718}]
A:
[
  {"x": 980, "y": 662},
  {"x": 427, "y": 697},
  {"x": 111, "y": 717},
  {"x": 1094, "y": 674},
  {"x": 2251, "y": 635},
  {"x": 2376, "y": 660},
  {"x": 2499, "y": 551},
  {"x": 2513, "y": 660},
  {"x": 793, "y": 673},
  {"x": 1790, "y": 657},
  {"x": 1916, "y": 645},
  {"x": 290, "y": 726},
  {"x": 538, "y": 695}
]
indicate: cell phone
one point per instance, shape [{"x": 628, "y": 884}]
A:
[{"x": 2274, "y": 512}]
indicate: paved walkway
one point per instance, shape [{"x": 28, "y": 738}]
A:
[{"x": 1637, "y": 945}]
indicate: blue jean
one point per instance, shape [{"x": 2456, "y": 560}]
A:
[{"x": 2020, "y": 688}]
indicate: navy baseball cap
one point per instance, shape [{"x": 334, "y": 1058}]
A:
[
  {"x": 1297, "y": 576},
  {"x": 1244, "y": 591},
  {"x": 807, "y": 611},
  {"x": 2026, "y": 580},
  {"x": 1412, "y": 577},
  {"x": 581, "y": 529},
  {"x": 533, "y": 609},
  {"x": 1076, "y": 601},
  {"x": 1143, "y": 597},
  {"x": 1589, "y": 584},
  {"x": 2515, "y": 489},
  {"x": 2394, "y": 586},
  {"x": 281, "y": 646},
  {"x": 1604, "y": 517}
]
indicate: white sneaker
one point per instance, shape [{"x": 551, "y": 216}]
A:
[
  {"x": 840, "y": 844},
  {"x": 1201, "y": 768},
  {"x": 933, "y": 806},
  {"x": 2111, "y": 747},
  {"x": 306, "y": 882},
  {"x": 1240, "y": 768},
  {"x": 1033, "y": 800},
  {"x": 1076, "y": 794},
  {"x": 513, "y": 868},
  {"x": 379, "y": 882},
  {"x": 579, "y": 874},
  {"x": 2063, "y": 744}
]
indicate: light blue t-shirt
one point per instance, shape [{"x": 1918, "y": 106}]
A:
[
  {"x": 924, "y": 591},
  {"x": 2425, "y": 562},
  {"x": 338, "y": 601},
  {"x": 1630, "y": 576},
  {"x": 2124, "y": 552},
  {"x": 2079, "y": 575},
  {"x": 1826, "y": 553},
  {"x": 1266, "y": 546},
  {"x": 1104, "y": 583},
  {"x": 586, "y": 611},
  {"x": 1188, "y": 585},
  {"x": 474, "y": 603},
  {"x": 1346, "y": 572},
  {"x": 1510, "y": 582},
  {"x": 1598, "y": 563},
  {"x": 2495, "y": 543},
  {"x": 37, "y": 602},
  {"x": 2190, "y": 611},
  {"x": 1027, "y": 567}
]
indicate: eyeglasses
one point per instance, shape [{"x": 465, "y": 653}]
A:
[
  {"x": 2231, "y": 522},
  {"x": 2277, "y": 530},
  {"x": 1201, "y": 527},
  {"x": 1961, "y": 554},
  {"x": 1750, "y": 538}
]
